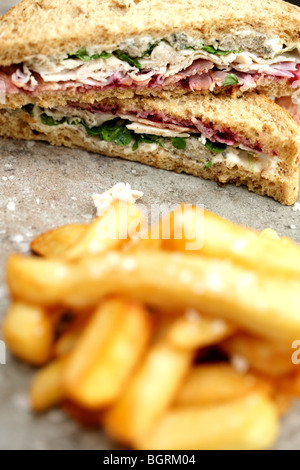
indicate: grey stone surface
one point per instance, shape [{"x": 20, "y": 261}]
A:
[{"x": 44, "y": 187}]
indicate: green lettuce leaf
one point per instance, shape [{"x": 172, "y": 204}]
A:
[
  {"x": 208, "y": 165},
  {"x": 125, "y": 57},
  {"x": 212, "y": 50},
  {"x": 215, "y": 147},
  {"x": 83, "y": 55},
  {"x": 179, "y": 143},
  {"x": 231, "y": 79},
  {"x": 50, "y": 121},
  {"x": 146, "y": 139},
  {"x": 148, "y": 52},
  {"x": 28, "y": 108}
]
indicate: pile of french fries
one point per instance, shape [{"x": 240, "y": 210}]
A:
[{"x": 163, "y": 347}]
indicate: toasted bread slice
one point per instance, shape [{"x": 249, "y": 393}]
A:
[{"x": 61, "y": 26}]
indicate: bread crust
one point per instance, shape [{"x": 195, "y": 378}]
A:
[
  {"x": 61, "y": 26},
  {"x": 281, "y": 188}
]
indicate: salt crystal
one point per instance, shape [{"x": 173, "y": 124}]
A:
[
  {"x": 293, "y": 227},
  {"x": 218, "y": 326},
  {"x": 128, "y": 264},
  {"x": 11, "y": 206},
  {"x": 185, "y": 277},
  {"x": 21, "y": 401},
  {"x": 240, "y": 364},
  {"x": 296, "y": 207},
  {"x": 18, "y": 238},
  {"x": 192, "y": 315}
]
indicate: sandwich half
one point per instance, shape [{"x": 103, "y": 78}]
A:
[
  {"x": 248, "y": 141},
  {"x": 56, "y": 51}
]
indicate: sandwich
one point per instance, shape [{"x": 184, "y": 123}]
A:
[
  {"x": 56, "y": 51},
  {"x": 248, "y": 141}
]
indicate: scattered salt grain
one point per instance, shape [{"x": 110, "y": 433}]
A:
[
  {"x": 37, "y": 200},
  {"x": 21, "y": 401},
  {"x": 218, "y": 326},
  {"x": 296, "y": 207},
  {"x": 192, "y": 315},
  {"x": 240, "y": 364},
  {"x": 11, "y": 177},
  {"x": 11, "y": 206},
  {"x": 185, "y": 277},
  {"x": 18, "y": 238},
  {"x": 293, "y": 227},
  {"x": 128, "y": 264},
  {"x": 4, "y": 178}
]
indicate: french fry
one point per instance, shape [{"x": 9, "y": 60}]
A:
[
  {"x": 193, "y": 331},
  {"x": 106, "y": 354},
  {"x": 209, "y": 384},
  {"x": 273, "y": 235},
  {"x": 266, "y": 305},
  {"x": 29, "y": 333},
  {"x": 55, "y": 243},
  {"x": 46, "y": 388},
  {"x": 69, "y": 338},
  {"x": 226, "y": 240},
  {"x": 87, "y": 418},
  {"x": 149, "y": 393},
  {"x": 266, "y": 357},
  {"x": 250, "y": 423},
  {"x": 109, "y": 231}
]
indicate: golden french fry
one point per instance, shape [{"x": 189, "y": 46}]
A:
[
  {"x": 208, "y": 384},
  {"x": 283, "y": 402},
  {"x": 29, "y": 333},
  {"x": 250, "y": 423},
  {"x": 266, "y": 305},
  {"x": 107, "y": 353},
  {"x": 114, "y": 228},
  {"x": 46, "y": 388},
  {"x": 54, "y": 243},
  {"x": 273, "y": 235},
  {"x": 87, "y": 418},
  {"x": 266, "y": 357},
  {"x": 226, "y": 240},
  {"x": 193, "y": 331},
  {"x": 290, "y": 384},
  {"x": 69, "y": 338},
  {"x": 150, "y": 392}
]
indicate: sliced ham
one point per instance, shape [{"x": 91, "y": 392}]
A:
[
  {"x": 201, "y": 75},
  {"x": 200, "y": 82},
  {"x": 198, "y": 67}
]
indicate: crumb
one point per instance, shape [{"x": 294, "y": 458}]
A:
[{"x": 296, "y": 207}]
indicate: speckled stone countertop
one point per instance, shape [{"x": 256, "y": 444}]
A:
[{"x": 44, "y": 187}]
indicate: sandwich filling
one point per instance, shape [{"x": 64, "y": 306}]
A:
[
  {"x": 133, "y": 130},
  {"x": 175, "y": 61}
]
